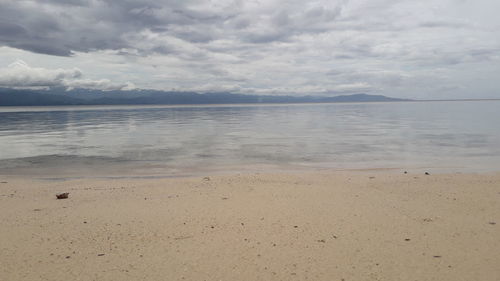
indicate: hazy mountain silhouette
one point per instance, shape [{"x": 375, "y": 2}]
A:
[{"x": 12, "y": 97}]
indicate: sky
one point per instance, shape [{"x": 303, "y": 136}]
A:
[{"x": 428, "y": 49}]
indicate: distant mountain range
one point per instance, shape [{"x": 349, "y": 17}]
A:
[{"x": 12, "y": 97}]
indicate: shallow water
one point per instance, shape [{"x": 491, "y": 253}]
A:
[{"x": 169, "y": 139}]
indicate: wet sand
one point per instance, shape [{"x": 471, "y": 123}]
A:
[{"x": 327, "y": 225}]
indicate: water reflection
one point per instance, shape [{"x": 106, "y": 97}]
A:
[{"x": 338, "y": 135}]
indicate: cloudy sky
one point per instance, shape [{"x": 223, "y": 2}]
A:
[{"x": 399, "y": 48}]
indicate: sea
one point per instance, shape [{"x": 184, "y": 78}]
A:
[{"x": 451, "y": 136}]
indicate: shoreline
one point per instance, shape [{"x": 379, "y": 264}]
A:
[
  {"x": 90, "y": 167},
  {"x": 309, "y": 225}
]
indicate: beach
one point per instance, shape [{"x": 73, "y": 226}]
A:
[
  {"x": 308, "y": 225},
  {"x": 249, "y": 140}
]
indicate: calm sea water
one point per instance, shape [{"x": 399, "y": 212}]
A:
[{"x": 169, "y": 139}]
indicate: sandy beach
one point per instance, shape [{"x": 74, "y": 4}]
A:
[{"x": 326, "y": 225}]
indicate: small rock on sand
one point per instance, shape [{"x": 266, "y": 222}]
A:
[{"x": 62, "y": 195}]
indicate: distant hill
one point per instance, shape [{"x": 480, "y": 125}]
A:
[{"x": 11, "y": 97}]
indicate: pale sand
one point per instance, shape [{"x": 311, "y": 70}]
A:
[{"x": 295, "y": 226}]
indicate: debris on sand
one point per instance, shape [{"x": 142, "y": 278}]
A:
[
  {"x": 427, "y": 173},
  {"x": 62, "y": 195},
  {"x": 206, "y": 178},
  {"x": 180, "y": 238}
]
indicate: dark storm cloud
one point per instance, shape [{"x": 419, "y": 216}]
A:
[
  {"x": 8, "y": 29},
  {"x": 59, "y": 27},
  {"x": 67, "y": 2},
  {"x": 62, "y": 27}
]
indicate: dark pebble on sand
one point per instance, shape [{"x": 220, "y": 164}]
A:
[
  {"x": 64, "y": 195},
  {"x": 100, "y": 255}
]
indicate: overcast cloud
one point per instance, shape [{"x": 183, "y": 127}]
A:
[{"x": 416, "y": 49}]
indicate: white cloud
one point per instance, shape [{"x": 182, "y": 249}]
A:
[
  {"x": 102, "y": 84},
  {"x": 20, "y": 75}
]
